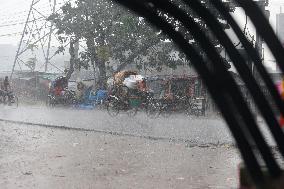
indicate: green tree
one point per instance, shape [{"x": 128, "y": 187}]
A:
[{"x": 110, "y": 31}]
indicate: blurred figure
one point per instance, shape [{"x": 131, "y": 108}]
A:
[
  {"x": 59, "y": 86},
  {"x": 6, "y": 89},
  {"x": 168, "y": 92},
  {"x": 6, "y": 84},
  {"x": 80, "y": 92},
  {"x": 58, "y": 90},
  {"x": 2, "y": 92}
]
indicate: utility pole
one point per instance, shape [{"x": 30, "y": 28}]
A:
[
  {"x": 77, "y": 70},
  {"x": 258, "y": 43},
  {"x": 22, "y": 37},
  {"x": 258, "y": 46},
  {"x": 37, "y": 34},
  {"x": 49, "y": 41}
]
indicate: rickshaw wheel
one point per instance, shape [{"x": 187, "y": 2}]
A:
[
  {"x": 15, "y": 101},
  {"x": 166, "y": 110},
  {"x": 192, "y": 110},
  {"x": 166, "y": 113},
  {"x": 112, "y": 108},
  {"x": 49, "y": 101},
  {"x": 132, "y": 112},
  {"x": 153, "y": 110}
]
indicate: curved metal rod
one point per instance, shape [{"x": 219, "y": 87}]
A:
[
  {"x": 252, "y": 53},
  {"x": 240, "y": 64},
  {"x": 264, "y": 29},
  {"x": 220, "y": 96},
  {"x": 238, "y": 99}
]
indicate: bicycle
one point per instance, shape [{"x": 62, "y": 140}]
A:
[{"x": 10, "y": 98}]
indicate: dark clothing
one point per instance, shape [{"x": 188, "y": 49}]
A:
[
  {"x": 5, "y": 90},
  {"x": 6, "y": 85}
]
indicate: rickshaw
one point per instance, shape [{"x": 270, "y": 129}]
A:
[
  {"x": 176, "y": 94},
  {"x": 59, "y": 93},
  {"x": 93, "y": 99},
  {"x": 127, "y": 94}
]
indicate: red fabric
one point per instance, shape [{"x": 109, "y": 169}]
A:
[
  {"x": 58, "y": 91},
  {"x": 281, "y": 121},
  {"x": 142, "y": 86}
]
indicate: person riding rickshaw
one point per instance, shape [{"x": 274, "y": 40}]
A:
[
  {"x": 129, "y": 84},
  {"x": 59, "y": 93},
  {"x": 58, "y": 86},
  {"x": 129, "y": 90}
]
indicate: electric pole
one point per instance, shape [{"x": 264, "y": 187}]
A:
[
  {"x": 37, "y": 34},
  {"x": 22, "y": 37},
  {"x": 47, "y": 59},
  {"x": 77, "y": 70},
  {"x": 258, "y": 43}
]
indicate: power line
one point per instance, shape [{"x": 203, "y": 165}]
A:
[
  {"x": 20, "y": 14},
  {"x": 21, "y": 23},
  {"x": 11, "y": 34},
  {"x": 35, "y": 34}
]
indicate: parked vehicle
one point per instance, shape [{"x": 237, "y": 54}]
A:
[
  {"x": 59, "y": 93},
  {"x": 129, "y": 92},
  {"x": 180, "y": 104},
  {"x": 176, "y": 94},
  {"x": 94, "y": 99}
]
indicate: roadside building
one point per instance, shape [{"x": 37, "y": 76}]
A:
[
  {"x": 280, "y": 26},
  {"x": 32, "y": 85}
]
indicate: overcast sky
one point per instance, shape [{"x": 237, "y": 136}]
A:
[{"x": 15, "y": 12}]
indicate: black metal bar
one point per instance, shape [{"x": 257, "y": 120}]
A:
[
  {"x": 264, "y": 29},
  {"x": 240, "y": 64},
  {"x": 252, "y": 53},
  {"x": 220, "y": 96},
  {"x": 231, "y": 85}
]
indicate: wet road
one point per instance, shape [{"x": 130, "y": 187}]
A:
[
  {"x": 195, "y": 131},
  {"x": 43, "y": 158}
]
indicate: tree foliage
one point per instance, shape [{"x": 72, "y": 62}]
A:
[{"x": 111, "y": 31}]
